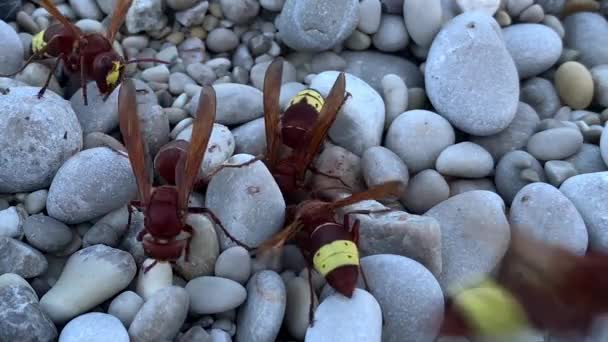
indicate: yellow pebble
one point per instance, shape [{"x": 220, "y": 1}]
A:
[{"x": 574, "y": 85}]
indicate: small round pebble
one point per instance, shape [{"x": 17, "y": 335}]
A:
[
  {"x": 125, "y": 306},
  {"x": 212, "y": 295},
  {"x": 515, "y": 170},
  {"x": 586, "y": 31},
  {"x": 35, "y": 201},
  {"x": 466, "y": 160},
  {"x": 395, "y": 95},
  {"x": 555, "y": 143},
  {"x": 423, "y": 19},
  {"x": 541, "y": 95},
  {"x": 234, "y": 263},
  {"x": 426, "y": 189},
  {"x": 222, "y": 40},
  {"x": 46, "y": 233},
  {"x": 574, "y": 84},
  {"x": 534, "y": 48},
  {"x": 11, "y": 222},
  {"x": 380, "y": 165},
  {"x": 240, "y": 11},
  {"x": 94, "y": 327},
  {"x": 391, "y": 35},
  {"x": 370, "y": 12},
  {"x": 11, "y": 55},
  {"x": 21, "y": 259}
]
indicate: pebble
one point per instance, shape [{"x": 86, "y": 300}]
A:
[
  {"x": 588, "y": 159},
  {"x": 180, "y": 5},
  {"x": 339, "y": 162},
  {"x": 574, "y": 84},
  {"x": 514, "y": 137},
  {"x": 11, "y": 222},
  {"x": 516, "y": 7},
  {"x": 21, "y": 318},
  {"x": 98, "y": 115},
  {"x": 392, "y": 35},
  {"x": 458, "y": 186},
  {"x": 360, "y": 121},
  {"x": 94, "y": 327},
  {"x": 418, "y": 137},
  {"x": 161, "y": 316},
  {"x": 558, "y": 171},
  {"x": 380, "y": 165},
  {"x": 234, "y": 263},
  {"x": 426, "y": 189},
  {"x": 35, "y": 201},
  {"x": 90, "y": 184},
  {"x": 466, "y": 160},
  {"x": 177, "y": 81},
  {"x": 475, "y": 234},
  {"x": 46, "y": 233},
  {"x": 487, "y": 6},
  {"x": 250, "y": 137},
  {"x": 325, "y": 61},
  {"x": 194, "y": 15},
  {"x": 544, "y": 212},
  {"x": 159, "y": 73},
  {"x": 266, "y": 299},
  {"x": 554, "y": 23},
  {"x": 454, "y": 68},
  {"x": 258, "y": 73},
  {"x": 90, "y": 276},
  {"x": 27, "y": 127},
  {"x": 204, "y": 248},
  {"x": 395, "y": 96},
  {"x": 259, "y": 44},
  {"x": 212, "y": 295},
  {"x": 338, "y": 319},
  {"x": 218, "y": 335},
  {"x": 423, "y": 19},
  {"x": 240, "y": 11},
  {"x": 600, "y": 84},
  {"x": 222, "y": 40},
  {"x": 250, "y": 191},
  {"x": 125, "y": 306},
  {"x": 358, "y": 41},
  {"x": 515, "y": 170},
  {"x": 533, "y": 47},
  {"x": 532, "y": 14},
  {"x": 586, "y": 31},
  {"x": 86, "y": 9},
  {"x": 272, "y": 5},
  {"x": 145, "y": 15},
  {"x": 11, "y": 56},
  {"x": 21, "y": 259},
  {"x": 552, "y": 6},
  {"x": 158, "y": 277},
  {"x": 298, "y": 306},
  {"x": 541, "y": 95},
  {"x": 555, "y": 143},
  {"x": 195, "y": 334},
  {"x": 9, "y": 9},
  {"x": 231, "y": 99},
  {"x": 372, "y": 66},
  {"x": 201, "y": 73},
  {"x": 409, "y": 296},
  {"x": 370, "y": 12},
  {"x": 312, "y": 25},
  {"x": 192, "y": 50}
]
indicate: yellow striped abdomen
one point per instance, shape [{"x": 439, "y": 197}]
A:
[
  {"x": 335, "y": 254},
  {"x": 310, "y": 96}
]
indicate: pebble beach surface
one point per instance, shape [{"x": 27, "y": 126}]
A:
[{"x": 491, "y": 113}]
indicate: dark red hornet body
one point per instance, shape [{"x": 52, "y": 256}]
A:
[
  {"x": 328, "y": 246},
  {"x": 89, "y": 54},
  {"x": 538, "y": 285},
  {"x": 165, "y": 208}
]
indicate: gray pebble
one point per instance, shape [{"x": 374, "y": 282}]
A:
[
  {"x": 515, "y": 170},
  {"x": 514, "y": 137},
  {"x": 358, "y": 41},
  {"x": 266, "y": 299},
  {"x": 380, "y": 165},
  {"x": 338, "y": 162},
  {"x": 35, "y": 75},
  {"x": 234, "y": 263},
  {"x": 145, "y": 15},
  {"x": 532, "y": 14},
  {"x": 204, "y": 248},
  {"x": 555, "y": 24},
  {"x": 98, "y": 115},
  {"x": 272, "y": 5},
  {"x": 159, "y": 73},
  {"x": 222, "y": 40},
  {"x": 258, "y": 73},
  {"x": 586, "y": 31},
  {"x": 541, "y": 210},
  {"x": 195, "y": 334},
  {"x": 86, "y": 9},
  {"x": 454, "y": 69},
  {"x": 391, "y": 35},
  {"x": 372, "y": 66},
  {"x": 125, "y": 306},
  {"x": 232, "y": 98},
  {"x": 395, "y": 95},
  {"x": 11, "y": 222},
  {"x": 179, "y": 5},
  {"x": 242, "y": 57},
  {"x": 219, "y": 148},
  {"x": 35, "y": 201},
  {"x": 218, "y": 335},
  {"x": 259, "y": 44},
  {"x": 135, "y": 42},
  {"x": 11, "y": 56},
  {"x": 426, "y": 189},
  {"x": 251, "y": 191},
  {"x": 90, "y": 26},
  {"x": 555, "y": 143},
  {"x": 27, "y": 126},
  {"x": 541, "y": 95},
  {"x": 458, "y": 186},
  {"x": 92, "y": 183},
  {"x": 194, "y": 15},
  {"x": 240, "y": 11},
  {"x": 588, "y": 159},
  {"x": 177, "y": 81},
  {"x": 474, "y": 235},
  {"x": 46, "y": 233},
  {"x": 161, "y": 316},
  {"x": 94, "y": 327},
  {"x": 552, "y": 6},
  {"x": 418, "y": 137},
  {"x": 201, "y": 73},
  {"x": 600, "y": 81},
  {"x": 370, "y": 12},
  {"x": 466, "y": 160},
  {"x": 211, "y": 295},
  {"x": 314, "y": 25},
  {"x": 21, "y": 259},
  {"x": 192, "y": 50},
  {"x": 558, "y": 171},
  {"x": 515, "y": 7},
  {"x": 21, "y": 318},
  {"x": 423, "y": 19},
  {"x": 534, "y": 48},
  {"x": 250, "y": 138}
]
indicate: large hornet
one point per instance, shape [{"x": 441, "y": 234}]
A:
[
  {"x": 89, "y": 54},
  {"x": 538, "y": 285},
  {"x": 165, "y": 207},
  {"x": 328, "y": 246}
]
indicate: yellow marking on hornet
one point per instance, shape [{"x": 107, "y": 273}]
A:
[
  {"x": 491, "y": 309},
  {"x": 38, "y": 42},
  {"x": 335, "y": 254},
  {"x": 114, "y": 74},
  {"x": 310, "y": 96}
]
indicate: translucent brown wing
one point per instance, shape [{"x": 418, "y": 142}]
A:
[
  {"x": 327, "y": 116},
  {"x": 272, "y": 110},
  {"x": 201, "y": 132},
  {"x": 118, "y": 18},
  {"x": 575, "y": 6},
  {"x": 129, "y": 127},
  {"x": 52, "y": 9},
  {"x": 388, "y": 189},
  {"x": 279, "y": 239}
]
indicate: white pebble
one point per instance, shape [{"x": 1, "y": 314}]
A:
[
  {"x": 370, "y": 12},
  {"x": 158, "y": 277},
  {"x": 394, "y": 93}
]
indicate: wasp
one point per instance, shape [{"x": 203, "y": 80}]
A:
[
  {"x": 165, "y": 207},
  {"x": 330, "y": 247},
  {"x": 538, "y": 285},
  {"x": 89, "y": 54}
]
